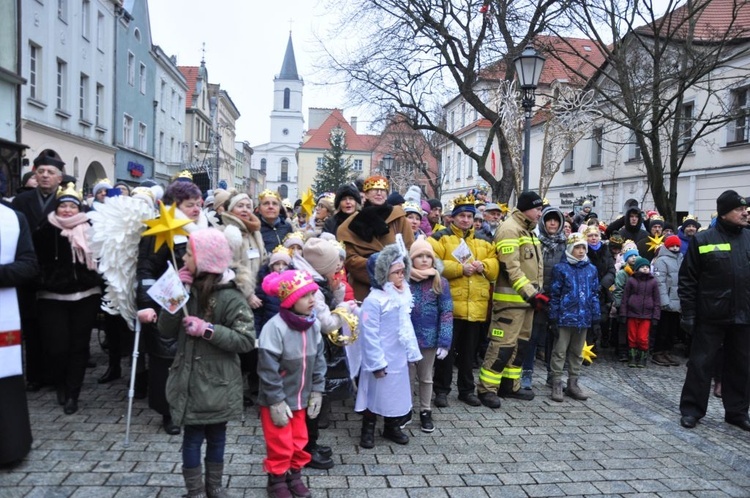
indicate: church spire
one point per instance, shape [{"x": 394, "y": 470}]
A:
[{"x": 289, "y": 67}]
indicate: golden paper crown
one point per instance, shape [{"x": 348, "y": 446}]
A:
[
  {"x": 576, "y": 238},
  {"x": 591, "y": 229},
  {"x": 689, "y": 217},
  {"x": 504, "y": 207},
  {"x": 69, "y": 191},
  {"x": 328, "y": 196},
  {"x": 103, "y": 180},
  {"x": 143, "y": 191},
  {"x": 186, "y": 175},
  {"x": 464, "y": 200},
  {"x": 656, "y": 217},
  {"x": 269, "y": 192},
  {"x": 376, "y": 182},
  {"x": 412, "y": 207},
  {"x": 281, "y": 249},
  {"x": 298, "y": 281},
  {"x": 298, "y": 236}
]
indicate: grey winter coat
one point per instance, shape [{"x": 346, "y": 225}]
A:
[
  {"x": 666, "y": 271},
  {"x": 205, "y": 381}
]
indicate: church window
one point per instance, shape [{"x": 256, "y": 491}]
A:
[
  {"x": 284, "y": 191},
  {"x": 263, "y": 165},
  {"x": 287, "y": 97},
  {"x": 284, "y": 171}
]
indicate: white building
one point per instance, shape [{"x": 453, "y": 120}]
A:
[
  {"x": 169, "y": 122},
  {"x": 67, "y": 52},
  {"x": 277, "y": 157}
]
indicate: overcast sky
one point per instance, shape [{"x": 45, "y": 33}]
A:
[{"x": 245, "y": 45}]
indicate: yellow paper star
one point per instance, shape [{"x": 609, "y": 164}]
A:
[
  {"x": 654, "y": 242},
  {"x": 165, "y": 227},
  {"x": 588, "y": 354},
  {"x": 308, "y": 202}
]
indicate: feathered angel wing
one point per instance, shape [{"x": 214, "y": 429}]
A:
[{"x": 116, "y": 228}]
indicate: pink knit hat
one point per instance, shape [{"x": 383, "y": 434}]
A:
[
  {"x": 421, "y": 246},
  {"x": 211, "y": 251},
  {"x": 289, "y": 286},
  {"x": 322, "y": 255}
]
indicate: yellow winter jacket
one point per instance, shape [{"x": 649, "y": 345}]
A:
[
  {"x": 521, "y": 263},
  {"x": 471, "y": 295}
]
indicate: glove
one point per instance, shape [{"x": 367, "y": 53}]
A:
[
  {"x": 281, "y": 414},
  {"x": 687, "y": 325},
  {"x": 313, "y": 406},
  {"x": 539, "y": 301},
  {"x": 623, "y": 320},
  {"x": 194, "y": 326},
  {"x": 596, "y": 330},
  {"x": 185, "y": 276},
  {"x": 441, "y": 353}
]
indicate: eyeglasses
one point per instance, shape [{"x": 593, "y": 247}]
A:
[{"x": 398, "y": 272}]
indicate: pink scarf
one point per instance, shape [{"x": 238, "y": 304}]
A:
[
  {"x": 74, "y": 228},
  {"x": 419, "y": 275}
]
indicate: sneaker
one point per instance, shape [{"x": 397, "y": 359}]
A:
[
  {"x": 490, "y": 400},
  {"x": 425, "y": 420},
  {"x": 470, "y": 399},
  {"x": 441, "y": 400},
  {"x": 526, "y": 379}
]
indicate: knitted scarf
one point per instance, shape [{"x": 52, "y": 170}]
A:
[
  {"x": 74, "y": 228},
  {"x": 295, "y": 321},
  {"x": 419, "y": 275},
  {"x": 550, "y": 242}
]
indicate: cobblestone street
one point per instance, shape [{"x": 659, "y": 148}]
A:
[{"x": 624, "y": 441}]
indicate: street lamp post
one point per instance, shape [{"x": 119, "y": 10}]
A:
[
  {"x": 529, "y": 67},
  {"x": 387, "y": 165}
]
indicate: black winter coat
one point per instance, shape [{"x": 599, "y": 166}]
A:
[
  {"x": 273, "y": 235},
  {"x": 713, "y": 284},
  {"x": 605, "y": 269},
  {"x": 29, "y": 204},
  {"x": 59, "y": 274}
]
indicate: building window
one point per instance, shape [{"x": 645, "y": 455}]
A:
[
  {"x": 686, "y": 126},
  {"x": 142, "y": 136},
  {"x": 85, "y": 18},
  {"x": 634, "y": 150},
  {"x": 320, "y": 164},
  {"x": 597, "y": 135},
  {"x": 179, "y": 109},
  {"x": 100, "y": 30},
  {"x": 171, "y": 150},
  {"x": 287, "y": 98},
  {"x": 142, "y": 78},
  {"x": 62, "y": 10},
  {"x": 160, "y": 152},
  {"x": 284, "y": 191},
  {"x": 568, "y": 161},
  {"x": 162, "y": 94},
  {"x": 448, "y": 158},
  {"x": 62, "y": 68},
  {"x": 357, "y": 165},
  {"x": 173, "y": 103},
  {"x": 83, "y": 91},
  {"x": 284, "y": 171},
  {"x": 35, "y": 53},
  {"x": 453, "y": 120},
  {"x": 463, "y": 114},
  {"x": 739, "y": 129},
  {"x": 99, "y": 101},
  {"x": 459, "y": 165},
  {"x": 131, "y": 69},
  {"x": 263, "y": 165},
  {"x": 127, "y": 131}
]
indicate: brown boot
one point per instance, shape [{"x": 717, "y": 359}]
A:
[
  {"x": 296, "y": 486},
  {"x": 557, "y": 390},
  {"x": 194, "y": 482},
  {"x": 214, "y": 475},
  {"x": 574, "y": 391},
  {"x": 277, "y": 486}
]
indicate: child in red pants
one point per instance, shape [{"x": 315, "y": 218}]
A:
[
  {"x": 640, "y": 309},
  {"x": 291, "y": 368}
]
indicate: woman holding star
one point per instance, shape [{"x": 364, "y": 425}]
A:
[{"x": 154, "y": 254}]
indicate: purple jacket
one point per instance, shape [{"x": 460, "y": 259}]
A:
[{"x": 641, "y": 297}]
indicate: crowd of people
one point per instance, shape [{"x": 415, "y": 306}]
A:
[{"x": 373, "y": 297}]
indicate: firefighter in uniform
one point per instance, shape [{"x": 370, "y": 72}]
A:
[
  {"x": 715, "y": 300},
  {"x": 517, "y": 295}
]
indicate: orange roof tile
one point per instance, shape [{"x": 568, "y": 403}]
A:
[
  {"x": 712, "y": 23},
  {"x": 318, "y": 138},
  {"x": 191, "y": 76}
]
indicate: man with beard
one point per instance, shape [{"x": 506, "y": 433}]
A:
[
  {"x": 492, "y": 215},
  {"x": 687, "y": 231},
  {"x": 369, "y": 231},
  {"x": 434, "y": 216},
  {"x": 646, "y": 249},
  {"x": 715, "y": 300}
]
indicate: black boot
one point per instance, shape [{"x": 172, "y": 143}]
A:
[
  {"x": 71, "y": 402},
  {"x": 318, "y": 458},
  {"x": 169, "y": 426},
  {"x": 113, "y": 373},
  {"x": 392, "y": 430},
  {"x": 214, "y": 476},
  {"x": 367, "y": 436},
  {"x": 61, "y": 395}
]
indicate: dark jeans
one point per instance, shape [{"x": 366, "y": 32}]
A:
[
  {"x": 192, "y": 440},
  {"x": 158, "y": 373},
  {"x": 538, "y": 339},
  {"x": 735, "y": 376},
  {"x": 466, "y": 337},
  {"x": 66, "y": 331},
  {"x": 666, "y": 331}
]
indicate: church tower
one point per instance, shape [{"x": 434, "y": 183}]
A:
[{"x": 278, "y": 157}]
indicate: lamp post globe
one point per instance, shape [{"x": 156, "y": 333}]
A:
[{"x": 529, "y": 67}]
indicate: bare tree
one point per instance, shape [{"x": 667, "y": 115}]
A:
[
  {"x": 653, "y": 64},
  {"x": 415, "y": 55}
]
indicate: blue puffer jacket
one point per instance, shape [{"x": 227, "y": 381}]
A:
[
  {"x": 432, "y": 315},
  {"x": 574, "y": 297}
]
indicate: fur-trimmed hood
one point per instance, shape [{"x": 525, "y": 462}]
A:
[{"x": 379, "y": 264}]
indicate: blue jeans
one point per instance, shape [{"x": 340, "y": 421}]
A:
[
  {"x": 192, "y": 440},
  {"x": 538, "y": 339}
]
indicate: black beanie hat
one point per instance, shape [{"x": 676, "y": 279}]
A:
[
  {"x": 729, "y": 200},
  {"x": 348, "y": 190},
  {"x": 435, "y": 203},
  {"x": 395, "y": 199},
  {"x": 528, "y": 200}
]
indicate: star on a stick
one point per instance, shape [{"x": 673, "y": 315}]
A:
[
  {"x": 588, "y": 353},
  {"x": 165, "y": 227},
  {"x": 308, "y": 202},
  {"x": 654, "y": 242}
]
